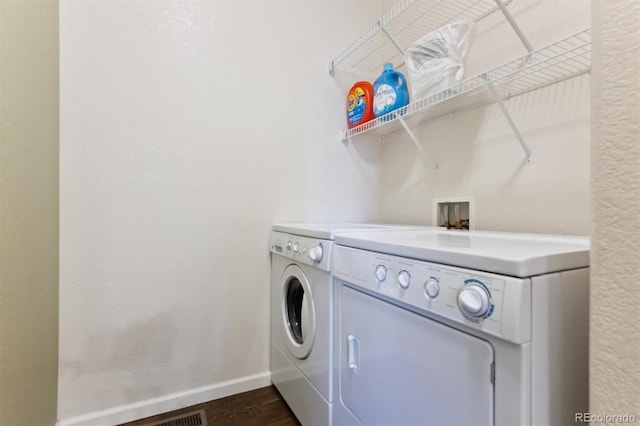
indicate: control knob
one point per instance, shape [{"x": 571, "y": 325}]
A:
[
  {"x": 296, "y": 247},
  {"x": 289, "y": 245},
  {"x": 474, "y": 301},
  {"x": 404, "y": 279},
  {"x": 316, "y": 253},
  {"x": 432, "y": 288},
  {"x": 381, "y": 273}
]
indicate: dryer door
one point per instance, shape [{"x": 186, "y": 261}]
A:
[
  {"x": 399, "y": 368},
  {"x": 298, "y": 312}
]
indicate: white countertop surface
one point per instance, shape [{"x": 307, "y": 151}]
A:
[{"x": 520, "y": 255}]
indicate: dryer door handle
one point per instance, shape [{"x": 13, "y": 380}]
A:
[{"x": 353, "y": 353}]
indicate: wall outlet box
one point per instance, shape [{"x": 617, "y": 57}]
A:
[{"x": 454, "y": 213}]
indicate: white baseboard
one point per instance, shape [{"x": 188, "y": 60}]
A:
[{"x": 174, "y": 401}]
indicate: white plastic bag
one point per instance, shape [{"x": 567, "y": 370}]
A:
[{"x": 435, "y": 62}]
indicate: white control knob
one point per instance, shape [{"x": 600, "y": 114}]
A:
[
  {"x": 316, "y": 253},
  {"x": 296, "y": 247},
  {"x": 432, "y": 288},
  {"x": 289, "y": 245},
  {"x": 474, "y": 301},
  {"x": 404, "y": 279},
  {"x": 381, "y": 273}
]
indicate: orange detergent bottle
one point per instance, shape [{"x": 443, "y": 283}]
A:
[{"x": 360, "y": 104}]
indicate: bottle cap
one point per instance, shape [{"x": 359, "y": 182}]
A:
[{"x": 388, "y": 66}]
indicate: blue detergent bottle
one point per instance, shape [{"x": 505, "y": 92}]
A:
[{"x": 390, "y": 91}]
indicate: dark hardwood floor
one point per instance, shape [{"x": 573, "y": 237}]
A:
[{"x": 260, "y": 407}]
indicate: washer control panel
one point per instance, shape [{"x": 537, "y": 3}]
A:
[
  {"x": 310, "y": 251},
  {"x": 497, "y": 305}
]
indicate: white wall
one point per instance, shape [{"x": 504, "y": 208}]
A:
[
  {"x": 28, "y": 211},
  {"x": 615, "y": 293},
  {"x": 479, "y": 156},
  {"x": 187, "y": 129}
]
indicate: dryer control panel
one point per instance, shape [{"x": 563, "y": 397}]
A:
[
  {"x": 495, "y": 304},
  {"x": 310, "y": 251}
]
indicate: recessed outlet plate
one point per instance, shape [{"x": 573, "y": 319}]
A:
[{"x": 454, "y": 213}]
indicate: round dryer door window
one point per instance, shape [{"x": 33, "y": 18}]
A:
[{"x": 298, "y": 313}]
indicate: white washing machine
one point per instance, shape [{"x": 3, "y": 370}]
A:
[
  {"x": 435, "y": 327},
  {"x": 301, "y": 315}
]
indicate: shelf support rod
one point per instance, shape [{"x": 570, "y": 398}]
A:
[
  {"x": 512, "y": 124},
  {"x": 514, "y": 25},
  {"x": 393, "y": 40},
  {"x": 433, "y": 165}
]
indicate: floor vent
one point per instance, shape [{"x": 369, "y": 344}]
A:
[{"x": 192, "y": 418}]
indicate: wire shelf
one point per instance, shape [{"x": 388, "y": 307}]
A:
[
  {"x": 407, "y": 21},
  {"x": 559, "y": 61}
]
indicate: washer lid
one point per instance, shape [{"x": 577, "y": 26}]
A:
[
  {"x": 328, "y": 230},
  {"x": 520, "y": 255}
]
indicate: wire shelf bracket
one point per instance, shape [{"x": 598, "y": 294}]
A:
[
  {"x": 393, "y": 40},
  {"x": 512, "y": 124},
  {"x": 514, "y": 25},
  {"x": 416, "y": 142}
]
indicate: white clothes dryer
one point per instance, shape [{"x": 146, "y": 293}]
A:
[
  {"x": 301, "y": 315},
  {"x": 436, "y": 327}
]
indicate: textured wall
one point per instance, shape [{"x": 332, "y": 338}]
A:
[
  {"x": 29, "y": 146},
  {"x": 615, "y": 293},
  {"x": 187, "y": 129},
  {"x": 478, "y": 154}
]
